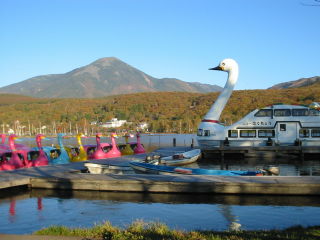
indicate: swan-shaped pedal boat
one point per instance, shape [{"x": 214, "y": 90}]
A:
[
  {"x": 79, "y": 154},
  {"x": 99, "y": 153},
  {"x": 139, "y": 149},
  {"x": 12, "y": 159},
  {"x": 127, "y": 150},
  {"x": 41, "y": 158}
]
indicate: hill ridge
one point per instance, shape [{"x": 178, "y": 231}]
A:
[
  {"x": 302, "y": 82},
  {"x": 103, "y": 77}
]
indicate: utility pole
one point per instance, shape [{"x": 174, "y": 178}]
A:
[
  {"x": 29, "y": 127},
  {"x": 85, "y": 127}
]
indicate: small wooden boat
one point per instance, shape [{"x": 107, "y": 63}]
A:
[
  {"x": 162, "y": 169},
  {"x": 96, "y": 168},
  {"x": 181, "y": 159}
]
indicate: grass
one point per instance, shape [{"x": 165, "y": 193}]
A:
[{"x": 140, "y": 230}]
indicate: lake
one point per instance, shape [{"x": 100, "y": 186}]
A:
[
  {"x": 24, "y": 211},
  {"x": 27, "y": 211},
  {"x": 149, "y": 140}
]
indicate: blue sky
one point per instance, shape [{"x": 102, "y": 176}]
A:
[{"x": 272, "y": 40}]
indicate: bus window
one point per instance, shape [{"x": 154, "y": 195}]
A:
[
  {"x": 233, "y": 133},
  {"x": 283, "y": 127},
  {"x": 300, "y": 112},
  {"x": 314, "y": 112},
  {"x": 282, "y": 112},
  {"x": 264, "y": 113},
  {"x": 304, "y": 133},
  {"x": 315, "y": 132},
  {"x": 266, "y": 133},
  {"x": 248, "y": 133}
]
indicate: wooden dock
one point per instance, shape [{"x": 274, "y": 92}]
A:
[
  {"x": 181, "y": 184},
  {"x": 300, "y": 152},
  {"x": 71, "y": 177}
]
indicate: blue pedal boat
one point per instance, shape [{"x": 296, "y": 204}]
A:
[{"x": 162, "y": 169}]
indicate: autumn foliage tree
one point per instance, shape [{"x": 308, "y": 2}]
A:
[{"x": 177, "y": 112}]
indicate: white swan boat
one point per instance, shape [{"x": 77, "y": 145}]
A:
[{"x": 281, "y": 125}]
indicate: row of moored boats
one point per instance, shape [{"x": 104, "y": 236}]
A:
[{"x": 15, "y": 155}]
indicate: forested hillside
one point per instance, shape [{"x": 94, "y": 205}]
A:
[{"x": 163, "y": 111}]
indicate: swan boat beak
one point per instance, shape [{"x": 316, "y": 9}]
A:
[{"x": 218, "y": 68}]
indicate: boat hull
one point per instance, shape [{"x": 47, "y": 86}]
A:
[
  {"x": 161, "y": 169},
  {"x": 96, "y": 168},
  {"x": 182, "y": 159}
]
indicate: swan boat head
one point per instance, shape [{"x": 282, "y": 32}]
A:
[{"x": 210, "y": 125}]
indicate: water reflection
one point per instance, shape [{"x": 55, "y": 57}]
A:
[
  {"x": 12, "y": 207},
  {"x": 232, "y": 220},
  {"x": 183, "y": 211},
  {"x": 178, "y": 198},
  {"x": 286, "y": 167},
  {"x": 12, "y": 219}
]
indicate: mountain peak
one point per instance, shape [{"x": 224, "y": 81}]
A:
[
  {"x": 103, "y": 77},
  {"x": 106, "y": 61}
]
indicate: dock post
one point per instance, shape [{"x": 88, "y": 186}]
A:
[
  {"x": 222, "y": 155},
  {"x": 301, "y": 154},
  {"x": 192, "y": 143},
  {"x": 221, "y": 152},
  {"x": 174, "y": 142}
]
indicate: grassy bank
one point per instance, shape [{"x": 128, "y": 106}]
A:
[{"x": 154, "y": 231}]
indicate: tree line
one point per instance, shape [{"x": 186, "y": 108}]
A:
[{"x": 165, "y": 112}]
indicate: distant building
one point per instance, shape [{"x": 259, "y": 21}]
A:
[
  {"x": 94, "y": 123},
  {"x": 10, "y": 131},
  {"x": 142, "y": 126},
  {"x": 114, "y": 123}
]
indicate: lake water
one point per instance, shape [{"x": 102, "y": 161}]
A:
[
  {"x": 287, "y": 167},
  {"x": 148, "y": 140},
  {"x": 28, "y": 211},
  {"x": 23, "y": 211}
]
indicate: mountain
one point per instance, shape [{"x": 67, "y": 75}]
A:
[
  {"x": 104, "y": 77},
  {"x": 303, "y": 82}
]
